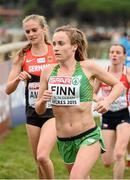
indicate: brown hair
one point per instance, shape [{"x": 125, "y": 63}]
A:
[
  {"x": 118, "y": 44},
  {"x": 76, "y": 37}
]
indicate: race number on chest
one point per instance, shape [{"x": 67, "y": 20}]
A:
[{"x": 66, "y": 90}]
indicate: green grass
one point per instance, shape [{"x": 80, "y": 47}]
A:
[{"x": 16, "y": 160}]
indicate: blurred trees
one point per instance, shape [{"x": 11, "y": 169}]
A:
[
  {"x": 97, "y": 11},
  {"x": 105, "y": 12}
]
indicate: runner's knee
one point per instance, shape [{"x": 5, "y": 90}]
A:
[
  {"x": 119, "y": 154},
  {"x": 42, "y": 159}
]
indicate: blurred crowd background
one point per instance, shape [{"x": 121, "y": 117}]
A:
[{"x": 103, "y": 21}]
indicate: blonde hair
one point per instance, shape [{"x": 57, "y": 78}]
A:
[
  {"x": 76, "y": 37},
  {"x": 43, "y": 24}
]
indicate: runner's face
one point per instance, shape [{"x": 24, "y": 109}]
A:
[
  {"x": 116, "y": 54},
  {"x": 62, "y": 46},
  {"x": 33, "y": 31}
]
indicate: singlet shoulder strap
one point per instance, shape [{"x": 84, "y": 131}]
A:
[
  {"x": 55, "y": 70},
  {"x": 49, "y": 48},
  {"x": 25, "y": 57},
  {"x": 78, "y": 69},
  {"x": 86, "y": 89}
]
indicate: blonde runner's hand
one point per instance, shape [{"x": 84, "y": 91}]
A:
[{"x": 24, "y": 76}]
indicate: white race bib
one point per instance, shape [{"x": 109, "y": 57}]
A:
[
  {"x": 66, "y": 90},
  {"x": 33, "y": 88}
]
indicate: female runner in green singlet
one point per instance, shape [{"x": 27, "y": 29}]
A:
[{"x": 69, "y": 88}]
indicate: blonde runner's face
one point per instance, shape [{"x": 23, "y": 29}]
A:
[{"x": 33, "y": 31}]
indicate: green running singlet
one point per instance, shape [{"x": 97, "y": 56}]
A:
[{"x": 85, "y": 88}]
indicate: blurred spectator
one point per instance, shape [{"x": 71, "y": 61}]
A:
[
  {"x": 125, "y": 41},
  {"x": 128, "y": 51},
  {"x": 115, "y": 37}
]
